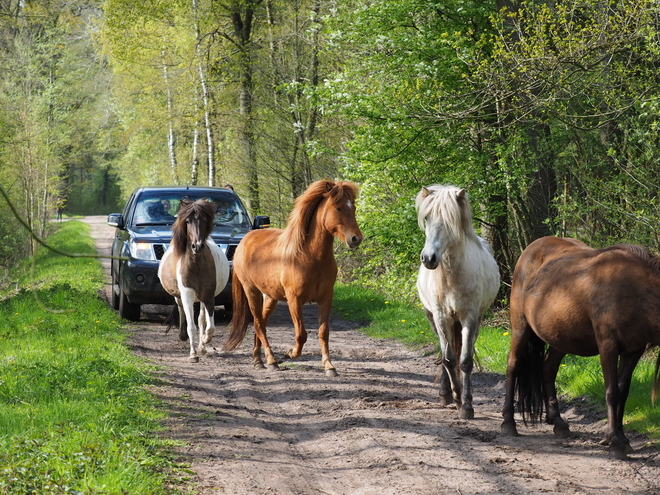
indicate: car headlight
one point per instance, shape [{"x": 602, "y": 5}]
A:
[{"x": 142, "y": 250}]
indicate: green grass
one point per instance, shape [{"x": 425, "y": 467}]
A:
[
  {"x": 578, "y": 376},
  {"x": 75, "y": 416}
]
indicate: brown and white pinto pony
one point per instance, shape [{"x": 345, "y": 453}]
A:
[
  {"x": 194, "y": 269},
  {"x": 296, "y": 265},
  {"x": 567, "y": 298}
]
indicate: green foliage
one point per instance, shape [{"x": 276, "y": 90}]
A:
[{"x": 74, "y": 412}]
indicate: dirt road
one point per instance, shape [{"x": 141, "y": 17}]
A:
[{"x": 376, "y": 429}]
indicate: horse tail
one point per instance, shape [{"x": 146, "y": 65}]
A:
[
  {"x": 656, "y": 380},
  {"x": 172, "y": 318},
  {"x": 241, "y": 314},
  {"x": 529, "y": 382}
]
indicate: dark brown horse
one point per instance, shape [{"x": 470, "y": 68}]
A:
[
  {"x": 194, "y": 269},
  {"x": 296, "y": 265},
  {"x": 573, "y": 299}
]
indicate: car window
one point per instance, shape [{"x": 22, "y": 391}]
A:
[{"x": 160, "y": 209}]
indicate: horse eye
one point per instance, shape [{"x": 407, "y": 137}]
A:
[{"x": 338, "y": 208}]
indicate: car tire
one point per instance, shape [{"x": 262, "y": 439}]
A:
[
  {"x": 114, "y": 289},
  {"x": 127, "y": 310}
]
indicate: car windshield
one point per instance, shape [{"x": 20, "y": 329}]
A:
[{"x": 161, "y": 208}]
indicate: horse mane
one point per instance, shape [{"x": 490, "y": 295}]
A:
[
  {"x": 188, "y": 208},
  {"x": 641, "y": 253},
  {"x": 449, "y": 203},
  {"x": 293, "y": 237}
]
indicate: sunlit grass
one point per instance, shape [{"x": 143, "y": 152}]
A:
[{"x": 74, "y": 413}]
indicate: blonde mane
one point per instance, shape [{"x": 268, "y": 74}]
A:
[
  {"x": 293, "y": 238},
  {"x": 449, "y": 204}
]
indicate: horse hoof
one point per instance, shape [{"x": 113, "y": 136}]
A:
[
  {"x": 332, "y": 373},
  {"x": 446, "y": 400},
  {"x": 209, "y": 337},
  {"x": 467, "y": 413},
  {"x": 259, "y": 366},
  {"x": 509, "y": 430},
  {"x": 194, "y": 359},
  {"x": 618, "y": 453},
  {"x": 629, "y": 449},
  {"x": 183, "y": 337},
  {"x": 273, "y": 367},
  {"x": 561, "y": 431}
]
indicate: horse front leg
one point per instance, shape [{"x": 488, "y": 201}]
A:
[
  {"x": 445, "y": 386},
  {"x": 551, "y": 364},
  {"x": 188, "y": 300},
  {"x": 469, "y": 334}
]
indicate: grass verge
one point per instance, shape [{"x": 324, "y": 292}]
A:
[
  {"x": 578, "y": 377},
  {"x": 74, "y": 413}
]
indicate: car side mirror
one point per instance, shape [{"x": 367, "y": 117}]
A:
[
  {"x": 116, "y": 220},
  {"x": 261, "y": 222}
]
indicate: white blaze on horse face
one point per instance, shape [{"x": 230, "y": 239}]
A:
[{"x": 435, "y": 245}]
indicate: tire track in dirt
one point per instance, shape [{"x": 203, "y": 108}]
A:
[{"x": 375, "y": 429}]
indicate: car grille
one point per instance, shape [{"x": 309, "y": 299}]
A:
[
  {"x": 159, "y": 249},
  {"x": 230, "y": 251}
]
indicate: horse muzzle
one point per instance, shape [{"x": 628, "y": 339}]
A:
[
  {"x": 354, "y": 241},
  {"x": 197, "y": 247},
  {"x": 430, "y": 262}
]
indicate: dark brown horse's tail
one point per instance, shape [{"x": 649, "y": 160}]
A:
[
  {"x": 241, "y": 314},
  {"x": 172, "y": 319},
  {"x": 529, "y": 382},
  {"x": 656, "y": 380}
]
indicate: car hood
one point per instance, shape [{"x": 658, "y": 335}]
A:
[{"x": 163, "y": 234}]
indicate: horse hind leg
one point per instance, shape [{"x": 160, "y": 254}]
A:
[
  {"x": 207, "y": 314},
  {"x": 551, "y": 364},
  {"x": 617, "y": 388},
  {"x": 256, "y": 303},
  {"x": 268, "y": 308},
  {"x": 296, "y": 310}
]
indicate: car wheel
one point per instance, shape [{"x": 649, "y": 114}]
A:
[
  {"x": 114, "y": 289},
  {"x": 127, "y": 310}
]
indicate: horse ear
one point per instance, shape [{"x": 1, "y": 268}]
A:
[
  {"x": 461, "y": 193},
  {"x": 425, "y": 192},
  {"x": 329, "y": 185}
]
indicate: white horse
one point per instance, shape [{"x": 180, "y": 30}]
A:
[
  {"x": 194, "y": 269},
  {"x": 457, "y": 281}
]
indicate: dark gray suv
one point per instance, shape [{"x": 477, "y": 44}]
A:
[{"x": 143, "y": 233}]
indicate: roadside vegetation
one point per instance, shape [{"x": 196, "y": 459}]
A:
[
  {"x": 75, "y": 413},
  {"x": 404, "y": 321}
]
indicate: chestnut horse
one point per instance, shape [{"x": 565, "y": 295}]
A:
[
  {"x": 194, "y": 269},
  {"x": 296, "y": 265},
  {"x": 578, "y": 300}
]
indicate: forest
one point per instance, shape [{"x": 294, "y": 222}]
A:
[{"x": 546, "y": 112}]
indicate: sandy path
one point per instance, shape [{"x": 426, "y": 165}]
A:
[{"x": 376, "y": 429}]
